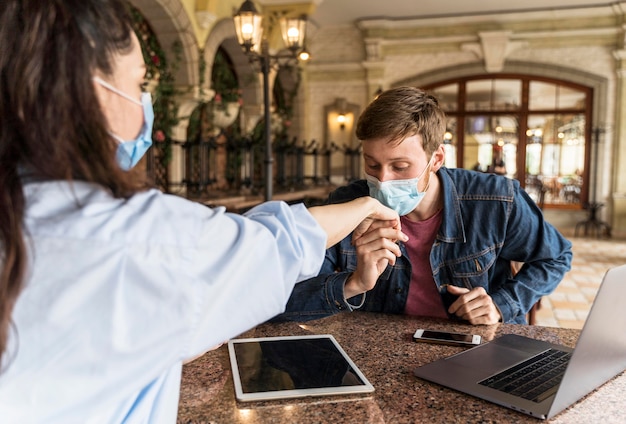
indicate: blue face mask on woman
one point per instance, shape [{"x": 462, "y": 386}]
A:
[
  {"x": 130, "y": 152},
  {"x": 400, "y": 195}
]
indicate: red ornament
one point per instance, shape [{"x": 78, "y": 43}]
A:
[{"x": 159, "y": 136}]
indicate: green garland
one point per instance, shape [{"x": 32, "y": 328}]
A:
[
  {"x": 157, "y": 69},
  {"x": 224, "y": 80}
]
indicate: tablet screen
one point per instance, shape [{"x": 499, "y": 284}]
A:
[{"x": 293, "y": 366}]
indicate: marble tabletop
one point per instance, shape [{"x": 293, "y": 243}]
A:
[{"x": 382, "y": 347}]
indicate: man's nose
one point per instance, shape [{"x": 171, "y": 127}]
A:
[{"x": 384, "y": 175}]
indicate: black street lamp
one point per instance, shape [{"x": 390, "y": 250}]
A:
[{"x": 248, "y": 24}]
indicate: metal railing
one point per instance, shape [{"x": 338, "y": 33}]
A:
[{"x": 223, "y": 165}]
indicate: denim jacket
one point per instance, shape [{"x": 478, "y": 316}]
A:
[{"x": 488, "y": 221}]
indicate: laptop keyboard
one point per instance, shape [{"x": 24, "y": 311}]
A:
[{"x": 534, "y": 379}]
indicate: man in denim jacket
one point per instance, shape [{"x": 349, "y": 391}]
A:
[{"x": 465, "y": 229}]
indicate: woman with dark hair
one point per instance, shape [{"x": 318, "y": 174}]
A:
[{"x": 107, "y": 286}]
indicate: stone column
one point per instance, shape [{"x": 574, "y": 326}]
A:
[
  {"x": 374, "y": 66},
  {"x": 618, "y": 222}
]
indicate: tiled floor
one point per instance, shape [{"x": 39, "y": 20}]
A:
[{"x": 569, "y": 304}]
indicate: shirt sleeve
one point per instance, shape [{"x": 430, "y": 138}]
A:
[
  {"x": 246, "y": 267},
  {"x": 546, "y": 255},
  {"x": 322, "y": 295}
]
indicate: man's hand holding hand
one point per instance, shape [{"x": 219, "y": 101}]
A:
[{"x": 376, "y": 249}]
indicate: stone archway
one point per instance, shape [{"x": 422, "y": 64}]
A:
[
  {"x": 601, "y": 114},
  {"x": 170, "y": 24},
  {"x": 224, "y": 35}
]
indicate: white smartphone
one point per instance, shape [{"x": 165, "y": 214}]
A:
[{"x": 444, "y": 337}]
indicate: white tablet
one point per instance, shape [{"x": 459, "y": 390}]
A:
[{"x": 293, "y": 366}]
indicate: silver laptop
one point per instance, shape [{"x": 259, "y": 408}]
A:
[{"x": 500, "y": 371}]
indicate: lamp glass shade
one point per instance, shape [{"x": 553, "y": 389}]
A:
[
  {"x": 304, "y": 55},
  {"x": 248, "y": 25},
  {"x": 293, "y": 30}
]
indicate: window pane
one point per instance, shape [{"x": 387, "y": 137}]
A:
[
  {"x": 541, "y": 96},
  {"x": 494, "y": 94},
  {"x": 490, "y": 144},
  {"x": 555, "y": 157},
  {"x": 570, "y": 98},
  {"x": 450, "y": 143},
  {"x": 478, "y": 95},
  {"x": 477, "y": 134},
  {"x": 448, "y": 96},
  {"x": 507, "y": 94},
  {"x": 545, "y": 96}
]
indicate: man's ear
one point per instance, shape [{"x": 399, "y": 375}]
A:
[{"x": 439, "y": 157}]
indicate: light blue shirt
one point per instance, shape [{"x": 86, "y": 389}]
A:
[{"x": 120, "y": 292}]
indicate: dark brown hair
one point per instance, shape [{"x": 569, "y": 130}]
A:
[
  {"x": 51, "y": 124},
  {"x": 403, "y": 112}
]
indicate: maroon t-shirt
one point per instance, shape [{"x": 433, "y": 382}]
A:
[{"x": 423, "y": 298}]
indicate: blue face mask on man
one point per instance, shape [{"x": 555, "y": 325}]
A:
[
  {"x": 130, "y": 152},
  {"x": 400, "y": 195}
]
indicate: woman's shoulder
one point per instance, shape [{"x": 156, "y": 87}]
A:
[{"x": 84, "y": 210}]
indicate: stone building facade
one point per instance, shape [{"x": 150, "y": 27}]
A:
[{"x": 586, "y": 46}]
